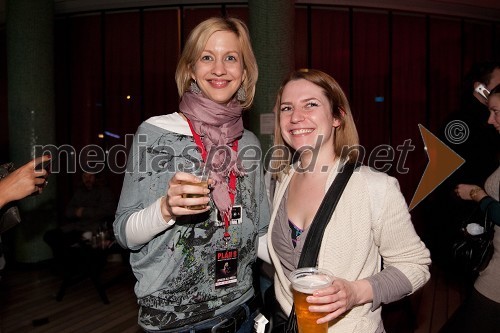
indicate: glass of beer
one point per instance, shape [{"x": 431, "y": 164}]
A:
[
  {"x": 304, "y": 282},
  {"x": 201, "y": 171}
]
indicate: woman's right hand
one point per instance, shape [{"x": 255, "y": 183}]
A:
[
  {"x": 23, "y": 181},
  {"x": 174, "y": 203},
  {"x": 339, "y": 297}
]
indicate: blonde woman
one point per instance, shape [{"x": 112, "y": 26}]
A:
[{"x": 194, "y": 267}]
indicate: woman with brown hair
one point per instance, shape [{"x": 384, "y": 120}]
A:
[{"x": 369, "y": 244}]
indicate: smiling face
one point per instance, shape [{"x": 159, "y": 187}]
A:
[
  {"x": 494, "y": 108},
  {"x": 306, "y": 115},
  {"x": 219, "y": 70}
]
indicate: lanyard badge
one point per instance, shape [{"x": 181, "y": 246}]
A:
[
  {"x": 226, "y": 261},
  {"x": 226, "y": 268}
]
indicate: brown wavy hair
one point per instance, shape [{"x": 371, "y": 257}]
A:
[{"x": 346, "y": 140}]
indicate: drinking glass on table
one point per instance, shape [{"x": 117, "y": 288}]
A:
[
  {"x": 201, "y": 171},
  {"x": 304, "y": 282}
]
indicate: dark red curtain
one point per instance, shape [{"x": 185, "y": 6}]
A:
[
  {"x": 301, "y": 38},
  {"x": 192, "y": 16},
  {"x": 122, "y": 73},
  {"x": 445, "y": 72},
  {"x": 409, "y": 97},
  {"x": 78, "y": 95},
  {"x": 370, "y": 61},
  {"x": 122, "y": 84},
  {"x": 4, "y": 125},
  {"x": 161, "y": 53},
  {"x": 496, "y": 42},
  {"x": 331, "y": 54},
  {"x": 398, "y": 70},
  {"x": 62, "y": 79},
  {"x": 240, "y": 12},
  {"x": 477, "y": 37},
  {"x": 63, "y": 111},
  {"x": 85, "y": 84}
]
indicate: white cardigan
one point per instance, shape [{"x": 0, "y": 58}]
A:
[{"x": 371, "y": 223}]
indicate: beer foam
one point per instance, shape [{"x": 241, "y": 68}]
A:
[{"x": 310, "y": 283}]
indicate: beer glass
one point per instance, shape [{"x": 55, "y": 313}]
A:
[
  {"x": 304, "y": 282},
  {"x": 201, "y": 171}
]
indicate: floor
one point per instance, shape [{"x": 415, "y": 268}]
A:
[{"x": 28, "y": 304}]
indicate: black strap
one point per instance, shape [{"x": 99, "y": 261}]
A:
[
  {"x": 312, "y": 243},
  {"x": 323, "y": 215}
]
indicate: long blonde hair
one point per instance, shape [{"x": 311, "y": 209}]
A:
[
  {"x": 196, "y": 43},
  {"x": 346, "y": 140}
]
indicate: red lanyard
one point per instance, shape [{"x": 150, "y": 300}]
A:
[{"x": 232, "y": 178}]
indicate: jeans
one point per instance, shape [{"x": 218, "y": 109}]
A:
[{"x": 246, "y": 327}]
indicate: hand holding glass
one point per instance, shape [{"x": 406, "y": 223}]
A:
[
  {"x": 304, "y": 282},
  {"x": 202, "y": 172}
]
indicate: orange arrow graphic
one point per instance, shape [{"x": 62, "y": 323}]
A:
[{"x": 442, "y": 163}]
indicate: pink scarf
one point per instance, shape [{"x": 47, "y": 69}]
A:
[{"x": 218, "y": 126}]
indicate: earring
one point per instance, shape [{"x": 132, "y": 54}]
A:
[
  {"x": 241, "y": 95},
  {"x": 194, "y": 88}
]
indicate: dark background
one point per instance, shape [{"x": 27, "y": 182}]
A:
[{"x": 399, "y": 69}]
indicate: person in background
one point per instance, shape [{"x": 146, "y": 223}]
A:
[
  {"x": 90, "y": 208},
  {"x": 480, "y": 312},
  {"x": 194, "y": 268},
  {"x": 480, "y": 149},
  {"x": 370, "y": 244},
  {"x": 90, "y": 205},
  {"x": 24, "y": 181}
]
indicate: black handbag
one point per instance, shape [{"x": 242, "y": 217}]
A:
[
  {"x": 312, "y": 243},
  {"x": 472, "y": 252}
]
